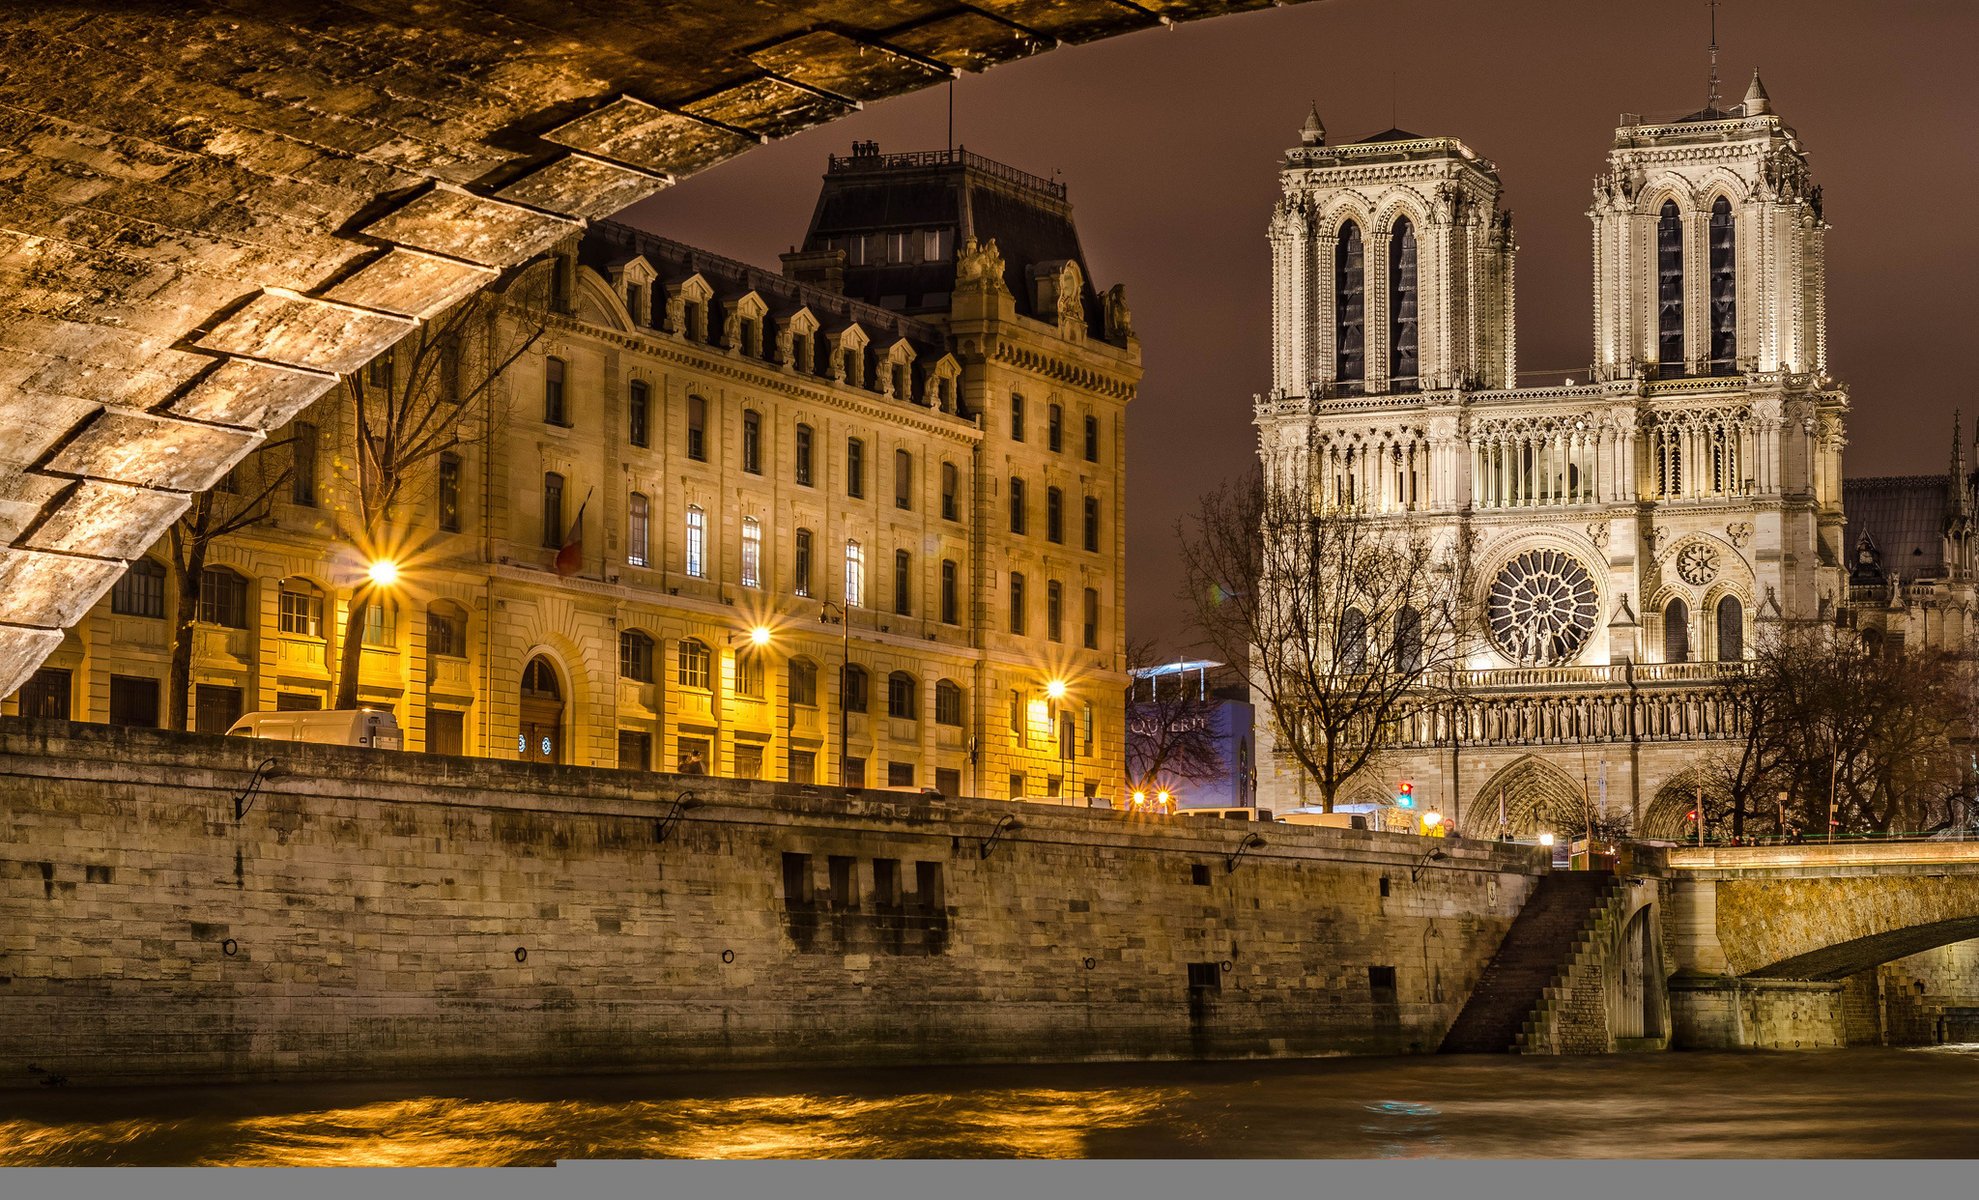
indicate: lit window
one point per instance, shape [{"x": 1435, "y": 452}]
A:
[
  {"x": 697, "y": 542},
  {"x": 855, "y": 575},
  {"x": 300, "y": 608},
  {"x": 638, "y": 524},
  {"x": 141, "y": 591},
  {"x": 635, "y": 656},
  {"x": 801, "y": 566},
  {"x": 752, "y": 552},
  {"x": 693, "y": 663}
]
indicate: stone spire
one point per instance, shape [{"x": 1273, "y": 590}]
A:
[
  {"x": 1958, "y": 507},
  {"x": 1757, "y": 102},
  {"x": 1312, "y": 133}
]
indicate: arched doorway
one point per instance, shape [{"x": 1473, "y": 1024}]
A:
[
  {"x": 1534, "y": 796},
  {"x": 541, "y": 736}
]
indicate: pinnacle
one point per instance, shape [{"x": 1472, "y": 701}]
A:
[
  {"x": 1757, "y": 102},
  {"x": 1313, "y": 133}
]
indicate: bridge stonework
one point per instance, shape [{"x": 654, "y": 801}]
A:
[{"x": 1784, "y": 946}]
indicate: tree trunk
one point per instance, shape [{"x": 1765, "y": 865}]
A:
[
  {"x": 351, "y": 652},
  {"x": 178, "y": 682}
]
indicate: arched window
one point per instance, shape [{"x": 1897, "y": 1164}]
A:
[
  {"x": 1353, "y": 640},
  {"x": 1349, "y": 306},
  {"x": 1731, "y": 630},
  {"x": 697, "y": 542},
  {"x": 1670, "y": 291},
  {"x": 803, "y": 683},
  {"x": 638, "y": 526},
  {"x": 902, "y": 696},
  {"x": 1724, "y": 289},
  {"x": 223, "y": 598},
  {"x": 1402, "y": 357},
  {"x": 141, "y": 591},
  {"x": 1408, "y": 641},
  {"x": 856, "y": 697},
  {"x": 855, "y": 574},
  {"x": 540, "y": 737},
  {"x": 300, "y": 608},
  {"x": 446, "y": 631},
  {"x": 693, "y": 660},
  {"x": 1676, "y": 632},
  {"x": 752, "y": 552},
  {"x": 948, "y": 703},
  {"x": 635, "y": 656}
]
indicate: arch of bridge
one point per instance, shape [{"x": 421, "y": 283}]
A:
[{"x": 214, "y": 208}]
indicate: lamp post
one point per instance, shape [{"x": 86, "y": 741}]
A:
[
  {"x": 844, "y": 672},
  {"x": 1067, "y": 768}
]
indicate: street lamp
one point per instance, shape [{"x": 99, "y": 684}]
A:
[
  {"x": 844, "y": 671},
  {"x": 1430, "y": 820},
  {"x": 383, "y": 573},
  {"x": 1067, "y": 767}
]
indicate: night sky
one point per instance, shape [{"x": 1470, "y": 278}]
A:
[{"x": 1170, "y": 141}]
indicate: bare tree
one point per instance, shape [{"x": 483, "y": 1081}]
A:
[
  {"x": 431, "y": 395},
  {"x": 1351, "y": 626},
  {"x": 1171, "y": 727},
  {"x": 241, "y": 500}
]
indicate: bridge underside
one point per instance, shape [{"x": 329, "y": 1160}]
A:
[{"x": 212, "y": 208}]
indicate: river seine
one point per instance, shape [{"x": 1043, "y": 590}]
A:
[{"x": 1868, "y": 1103}]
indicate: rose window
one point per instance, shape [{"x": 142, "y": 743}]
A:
[
  {"x": 1542, "y": 608},
  {"x": 1697, "y": 563}
]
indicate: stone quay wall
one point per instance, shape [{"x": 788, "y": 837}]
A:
[{"x": 373, "y": 913}]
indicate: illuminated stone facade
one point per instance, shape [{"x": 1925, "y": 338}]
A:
[
  {"x": 1631, "y": 527},
  {"x": 747, "y": 449}
]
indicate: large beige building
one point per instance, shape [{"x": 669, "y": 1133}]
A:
[
  {"x": 1631, "y": 525},
  {"x": 901, "y": 462}
]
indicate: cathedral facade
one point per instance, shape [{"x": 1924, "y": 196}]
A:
[{"x": 1630, "y": 529}]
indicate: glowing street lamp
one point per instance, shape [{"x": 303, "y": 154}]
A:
[
  {"x": 1055, "y": 689},
  {"x": 760, "y": 635},
  {"x": 1546, "y": 839},
  {"x": 1431, "y": 820},
  {"x": 383, "y": 573}
]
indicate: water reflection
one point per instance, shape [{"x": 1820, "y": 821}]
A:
[{"x": 1857, "y": 1103}]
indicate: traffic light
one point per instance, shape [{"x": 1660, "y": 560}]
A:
[{"x": 1405, "y": 794}]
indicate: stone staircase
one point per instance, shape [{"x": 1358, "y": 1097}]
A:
[{"x": 1513, "y": 1001}]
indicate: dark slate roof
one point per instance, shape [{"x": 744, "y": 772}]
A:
[
  {"x": 1905, "y": 514},
  {"x": 963, "y": 193},
  {"x": 607, "y": 243},
  {"x": 1390, "y": 135}
]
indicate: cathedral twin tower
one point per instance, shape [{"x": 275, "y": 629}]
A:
[{"x": 1689, "y": 486}]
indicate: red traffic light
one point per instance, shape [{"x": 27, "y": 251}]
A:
[{"x": 1405, "y": 794}]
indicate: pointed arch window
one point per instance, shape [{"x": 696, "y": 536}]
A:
[
  {"x": 1731, "y": 630},
  {"x": 1353, "y": 640},
  {"x": 1349, "y": 306},
  {"x": 1669, "y": 291},
  {"x": 1402, "y": 343},
  {"x": 1676, "y": 632},
  {"x": 1724, "y": 289}
]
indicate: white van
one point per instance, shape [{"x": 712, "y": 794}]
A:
[
  {"x": 1331, "y": 820},
  {"x": 335, "y": 727},
  {"x": 1226, "y": 814}
]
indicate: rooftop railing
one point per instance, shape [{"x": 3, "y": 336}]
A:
[{"x": 857, "y": 163}]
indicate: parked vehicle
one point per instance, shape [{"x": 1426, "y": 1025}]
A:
[
  {"x": 1331, "y": 820},
  {"x": 1226, "y": 814},
  {"x": 333, "y": 727}
]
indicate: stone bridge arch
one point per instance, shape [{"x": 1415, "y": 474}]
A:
[{"x": 193, "y": 253}]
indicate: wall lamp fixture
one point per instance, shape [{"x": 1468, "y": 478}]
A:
[
  {"x": 1004, "y": 824},
  {"x": 1251, "y": 841},
  {"x": 1422, "y": 864},
  {"x": 268, "y": 769},
  {"x": 681, "y": 803}
]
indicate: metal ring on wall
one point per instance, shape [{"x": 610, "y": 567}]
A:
[
  {"x": 728, "y": 956},
  {"x": 521, "y": 954},
  {"x": 1090, "y": 964},
  {"x": 1228, "y": 965},
  {"x": 230, "y": 947}
]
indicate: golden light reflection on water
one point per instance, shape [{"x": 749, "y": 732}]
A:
[{"x": 454, "y": 1132}]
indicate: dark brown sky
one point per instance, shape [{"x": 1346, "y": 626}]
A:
[{"x": 1170, "y": 142}]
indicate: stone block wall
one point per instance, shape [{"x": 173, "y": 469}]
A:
[{"x": 373, "y": 913}]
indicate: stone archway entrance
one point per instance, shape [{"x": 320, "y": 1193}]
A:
[
  {"x": 541, "y": 736},
  {"x": 1536, "y": 797}
]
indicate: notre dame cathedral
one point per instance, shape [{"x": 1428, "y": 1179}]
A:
[{"x": 1633, "y": 529}]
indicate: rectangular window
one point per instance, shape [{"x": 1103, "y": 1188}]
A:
[
  {"x": 948, "y": 781},
  {"x": 1055, "y": 429},
  {"x": 635, "y": 750},
  {"x": 903, "y": 583},
  {"x": 1054, "y": 610},
  {"x": 552, "y": 510},
  {"x": 886, "y": 882},
  {"x": 949, "y": 599},
  {"x": 223, "y": 598},
  {"x": 447, "y": 493},
  {"x": 381, "y": 624},
  {"x": 1017, "y": 786},
  {"x": 752, "y": 552},
  {"x": 748, "y": 761},
  {"x": 1016, "y": 417},
  {"x": 843, "y": 873},
  {"x": 1092, "y": 439},
  {"x": 697, "y": 542},
  {"x": 215, "y": 709},
  {"x": 803, "y": 456},
  {"x": 855, "y": 468},
  {"x": 446, "y": 731},
  {"x": 1016, "y": 604},
  {"x": 140, "y": 592},
  {"x": 749, "y": 675},
  {"x": 444, "y": 635},
  {"x": 903, "y": 479},
  {"x": 855, "y": 773},
  {"x": 948, "y": 706},
  {"x": 950, "y": 484},
  {"x": 697, "y": 429},
  {"x": 134, "y": 701},
  {"x": 1054, "y": 515},
  {"x": 1205, "y": 978},
  {"x": 299, "y": 609},
  {"x": 796, "y": 879},
  {"x": 553, "y": 406},
  {"x": 297, "y": 702},
  {"x": 303, "y": 449},
  {"x": 691, "y": 756},
  {"x": 937, "y": 245},
  {"x": 638, "y": 531},
  {"x": 635, "y": 656},
  {"x": 927, "y": 886},
  {"x": 900, "y": 774},
  {"x": 638, "y": 413},
  {"x": 801, "y": 564},
  {"x": 803, "y": 684},
  {"x": 1092, "y": 619},
  {"x": 752, "y": 442},
  {"x": 855, "y": 575},
  {"x": 46, "y": 695},
  {"x": 896, "y": 247},
  {"x": 803, "y": 766},
  {"x": 1092, "y": 523},
  {"x": 1018, "y": 514}
]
